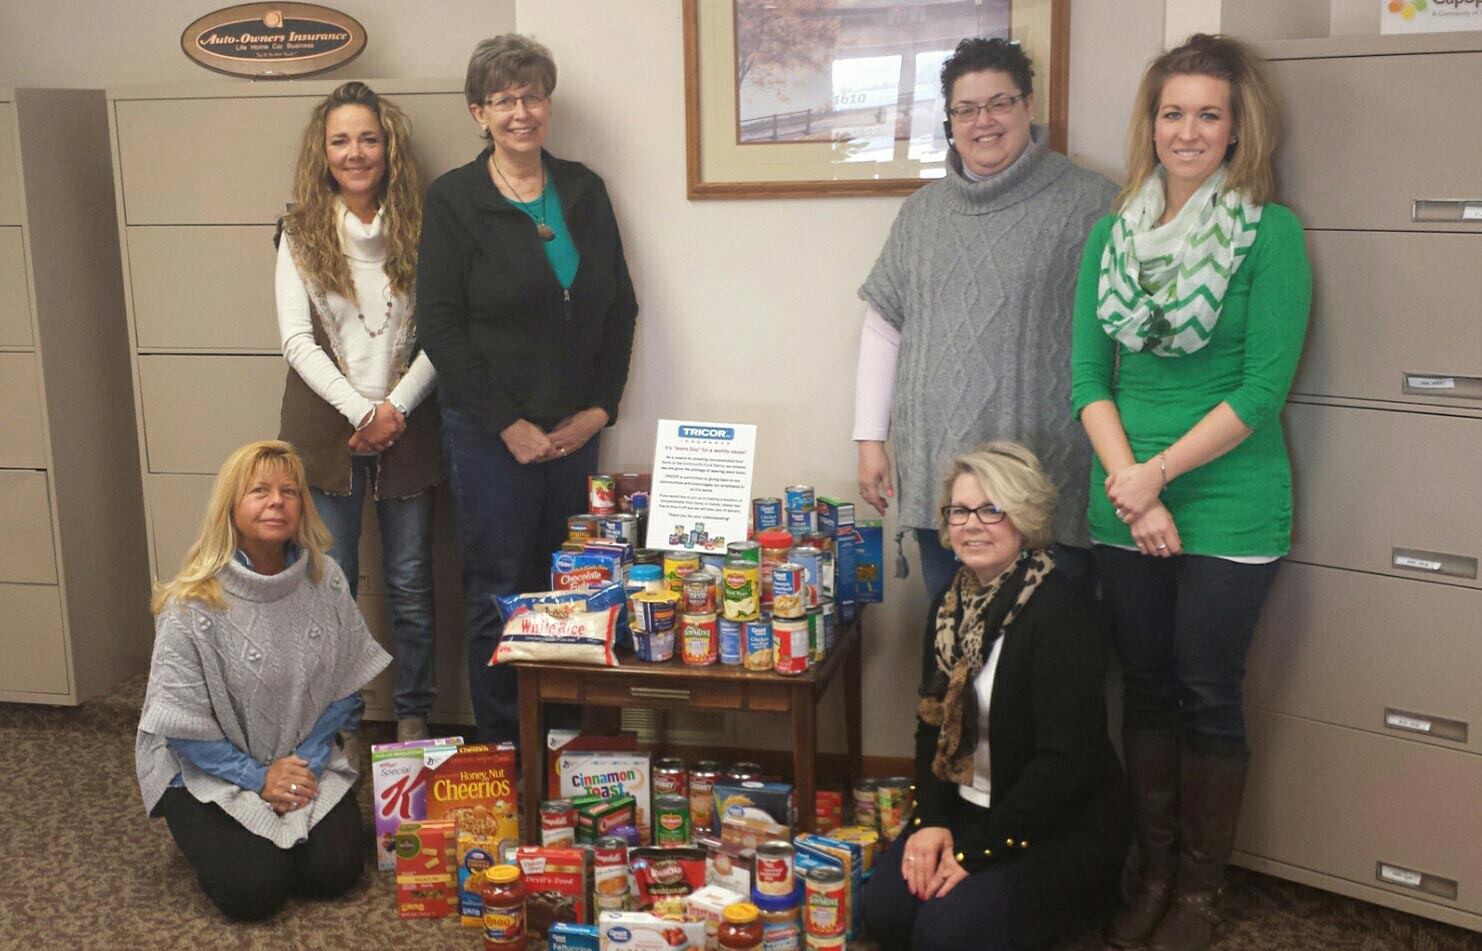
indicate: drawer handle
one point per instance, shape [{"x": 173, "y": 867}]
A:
[
  {"x": 1435, "y": 209},
  {"x": 1438, "y": 384},
  {"x": 1391, "y": 874},
  {"x": 1434, "y": 562},
  {"x": 658, "y": 693},
  {"x": 1425, "y": 724}
]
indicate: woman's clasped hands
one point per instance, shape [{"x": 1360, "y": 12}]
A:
[
  {"x": 928, "y": 866},
  {"x": 290, "y": 784},
  {"x": 1134, "y": 490}
]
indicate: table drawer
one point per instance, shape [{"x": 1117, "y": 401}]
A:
[
  {"x": 1388, "y": 492},
  {"x": 204, "y": 288},
  {"x": 21, "y": 444},
  {"x": 1386, "y": 655},
  {"x": 1367, "y": 284},
  {"x": 1371, "y": 809},
  {"x": 658, "y": 692},
  {"x": 15, "y": 296},
  {"x": 27, "y": 552}
]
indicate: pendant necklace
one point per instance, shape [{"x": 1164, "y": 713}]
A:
[
  {"x": 384, "y": 324},
  {"x": 546, "y": 232}
]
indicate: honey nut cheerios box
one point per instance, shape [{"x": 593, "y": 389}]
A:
[{"x": 474, "y": 786}]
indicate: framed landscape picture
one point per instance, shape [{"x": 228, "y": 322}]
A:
[{"x": 804, "y": 98}]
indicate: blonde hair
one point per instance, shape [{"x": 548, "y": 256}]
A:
[
  {"x": 1255, "y": 117},
  {"x": 218, "y": 540},
  {"x": 312, "y": 220},
  {"x": 1013, "y": 479}
]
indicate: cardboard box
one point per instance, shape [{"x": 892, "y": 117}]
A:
[
  {"x": 565, "y": 936},
  {"x": 608, "y": 775},
  {"x": 558, "y": 883},
  {"x": 399, "y": 788},
  {"x": 475, "y": 787},
  {"x": 573, "y": 741},
  {"x": 572, "y": 570},
  {"x": 476, "y": 853},
  {"x": 836, "y": 517},
  {"x": 869, "y": 562},
  {"x": 640, "y": 931},
  {"x": 752, "y": 812},
  {"x": 426, "y": 886},
  {"x": 596, "y": 819},
  {"x": 726, "y": 865}
]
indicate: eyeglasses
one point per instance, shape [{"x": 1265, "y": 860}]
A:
[
  {"x": 507, "y": 103},
  {"x": 998, "y": 107},
  {"x": 987, "y": 513}
]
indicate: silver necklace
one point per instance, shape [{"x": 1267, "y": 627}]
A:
[
  {"x": 546, "y": 232},
  {"x": 373, "y": 334}
]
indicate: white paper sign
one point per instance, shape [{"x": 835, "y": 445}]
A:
[
  {"x": 1429, "y": 16},
  {"x": 701, "y": 493}
]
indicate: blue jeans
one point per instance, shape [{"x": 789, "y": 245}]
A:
[
  {"x": 1182, "y": 627},
  {"x": 939, "y": 564},
  {"x": 511, "y": 517},
  {"x": 406, "y": 560}
]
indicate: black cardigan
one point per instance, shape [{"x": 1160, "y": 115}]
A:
[
  {"x": 507, "y": 340},
  {"x": 1053, "y": 767}
]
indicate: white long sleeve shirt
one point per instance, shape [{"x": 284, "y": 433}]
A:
[{"x": 874, "y": 378}]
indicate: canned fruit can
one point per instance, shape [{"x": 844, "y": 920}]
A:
[
  {"x": 746, "y": 550},
  {"x": 774, "y": 869},
  {"x": 621, "y": 527},
  {"x": 741, "y": 590},
  {"x": 765, "y": 513},
  {"x": 557, "y": 823},
  {"x": 601, "y": 494},
  {"x": 656, "y": 647},
  {"x": 823, "y": 915},
  {"x": 866, "y": 809},
  {"x": 790, "y": 653},
  {"x": 700, "y": 636},
  {"x": 756, "y": 644},
  {"x": 789, "y": 595},
  {"x": 812, "y": 560},
  {"x": 892, "y": 803},
  {"x": 582, "y": 528},
  {"x": 678, "y": 564},
  {"x": 654, "y": 611},
  {"x": 699, "y": 592},
  {"x": 671, "y": 777},
  {"x": 671, "y": 820},
  {"x": 731, "y": 633}
]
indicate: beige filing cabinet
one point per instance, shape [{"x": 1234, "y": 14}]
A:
[
  {"x": 74, "y": 595},
  {"x": 1362, "y": 694},
  {"x": 203, "y": 172}
]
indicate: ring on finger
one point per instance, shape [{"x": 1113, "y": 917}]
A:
[{"x": 293, "y": 789}]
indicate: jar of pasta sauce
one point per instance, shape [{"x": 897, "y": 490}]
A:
[
  {"x": 740, "y": 928},
  {"x": 504, "y": 909}
]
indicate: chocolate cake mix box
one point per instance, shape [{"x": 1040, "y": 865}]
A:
[
  {"x": 558, "y": 886},
  {"x": 399, "y": 790}
]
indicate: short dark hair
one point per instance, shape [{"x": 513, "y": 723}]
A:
[{"x": 976, "y": 53}]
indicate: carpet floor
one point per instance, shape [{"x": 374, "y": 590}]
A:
[{"x": 84, "y": 868}]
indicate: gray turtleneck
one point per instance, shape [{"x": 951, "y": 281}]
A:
[{"x": 980, "y": 279}]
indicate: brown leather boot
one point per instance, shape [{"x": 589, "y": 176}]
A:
[
  {"x": 1210, "y": 790},
  {"x": 1152, "y": 782}
]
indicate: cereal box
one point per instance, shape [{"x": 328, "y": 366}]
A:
[
  {"x": 574, "y": 741},
  {"x": 640, "y": 931},
  {"x": 475, "y": 787},
  {"x": 608, "y": 775},
  {"x": 425, "y": 884},
  {"x": 399, "y": 784},
  {"x": 476, "y": 853},
  {"x": 558, "y": 883}
]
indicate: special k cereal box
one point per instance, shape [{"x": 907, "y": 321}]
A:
[
  {"x": 426, "y": 885},
  {"x": 399, "y": 782},
  {"x": 475, "y": 787}
]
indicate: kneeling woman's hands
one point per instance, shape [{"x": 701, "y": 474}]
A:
[
  {"x": 928, "y": 866},
  {"x": 290, "y": 784}
]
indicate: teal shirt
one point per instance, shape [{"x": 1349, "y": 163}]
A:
[
  {"x": 560, "y": 250},
  {"x": 1241, "y": 503}
]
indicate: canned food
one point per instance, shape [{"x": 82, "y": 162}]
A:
[
  {"x": 699, "y": 592},
  {"x": 713, "y": 561},
  {"x": 741, "y": 589},
  {"x": 812, "y": 561},
  {"x": 775, "y": 544},
  {"x": 601, "y": 494},
  {"x": 621, "y": 526},
  {"x": 677, "y": 564},
  {"x": 654, "y": 611},
  {"x": 743, "y": 771},
  {"x": 610, "y": 873},
  {"x": 790, "y": 653},
  {"x": 819, "y": 539},
  {"x": 866, "y": 809},
  {"x": 649, "y": 556},
  {"x": 835, "y": 943},
  {"x": 774, "y": 869},
  {"x": 829, "y": 623},
  {"x": 702, "y": 793},
  {"x": 823, "y": 916},
  {"x": 868, "y": 839},
  {"x": 746, "y": 550},
  {"x": 671, "y": 820},
  {"x": 700, "y": 636},
  {"x": 657, "y": 646},
  {"x": 892, "y": 801},
  {"x": 557, "y": 823},
  {"x": 581, "y": 528},
  {"x": 731, "y": 633},
  {"x": 799, "y": 498},
  {"x": 671, "y": 777},
  {"x": 799, "y": 522},
  {"x": 756, "y": 645},
  {"x": 816, "y": 649},
  {"x": 765, "y": 513},
  {"x": 789, "y": 591}
]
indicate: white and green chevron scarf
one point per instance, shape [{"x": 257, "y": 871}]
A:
[{"x": 1162, "y": 286}]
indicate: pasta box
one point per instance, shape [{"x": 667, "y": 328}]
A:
[{"x": 426, "y": 884}]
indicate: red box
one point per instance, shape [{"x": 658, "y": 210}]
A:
[
  {"x": 426, "y": 870},
  {"x": 558, "y": 882}
]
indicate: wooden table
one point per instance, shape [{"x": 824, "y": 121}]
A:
[{"x": 674, "y": 685}]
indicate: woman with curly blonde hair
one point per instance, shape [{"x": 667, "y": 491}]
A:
[
  {"x": 259, "y": 659},
  {"x": 358, "y": 402}
]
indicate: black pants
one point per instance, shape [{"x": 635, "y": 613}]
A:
[{"x": 248, "y": 877}]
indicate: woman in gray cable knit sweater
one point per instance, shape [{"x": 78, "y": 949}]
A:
[
  {"x": 259, "y": 658},
  {"x": 967, "y": 336}
]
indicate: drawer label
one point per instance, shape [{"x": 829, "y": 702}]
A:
[
  {"x": 1432, "y": 382},
  {"x": 1402, "y": 722},
  {"x": 1471, "y": 213},
  {"x": 1424, "y": 564},
  {"x": 1400, "y": 876}
]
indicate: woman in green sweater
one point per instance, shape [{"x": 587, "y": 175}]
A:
[{"x": 1190, "y": 314}]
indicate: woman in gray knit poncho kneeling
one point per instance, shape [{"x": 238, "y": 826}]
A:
[{"x": 259, "y": 658}]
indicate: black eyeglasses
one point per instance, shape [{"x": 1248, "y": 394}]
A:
[
  {"x": 987, "y": 513},
  {"x": 998, "y": 107}
]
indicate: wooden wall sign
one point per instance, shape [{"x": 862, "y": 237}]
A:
[{"x": 273, "y": 40}]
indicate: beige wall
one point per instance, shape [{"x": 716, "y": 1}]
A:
[{"x": 94, "y": 44}]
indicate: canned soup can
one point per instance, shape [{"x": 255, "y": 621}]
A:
[
  {"x": 756, "y": 647},
  {"x": 731, "y": 633},
  {"x": 812, "y": 560},
  {"x": 699, "y": 592},
  {"x": 789, "y": 591},
  {"x": 790, "y": 653},
  {"x": 765, "y": 513},
  {"x": 774, "y": 869}
]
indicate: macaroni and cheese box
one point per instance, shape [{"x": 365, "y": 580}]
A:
[
  {"x": 399, "y": 786},
  {"x": 474, "y": 786},
  {"x": 426, "y": 886},
  {"x": 609, "y": 775},
  {"x": 476, "y": 854}
]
